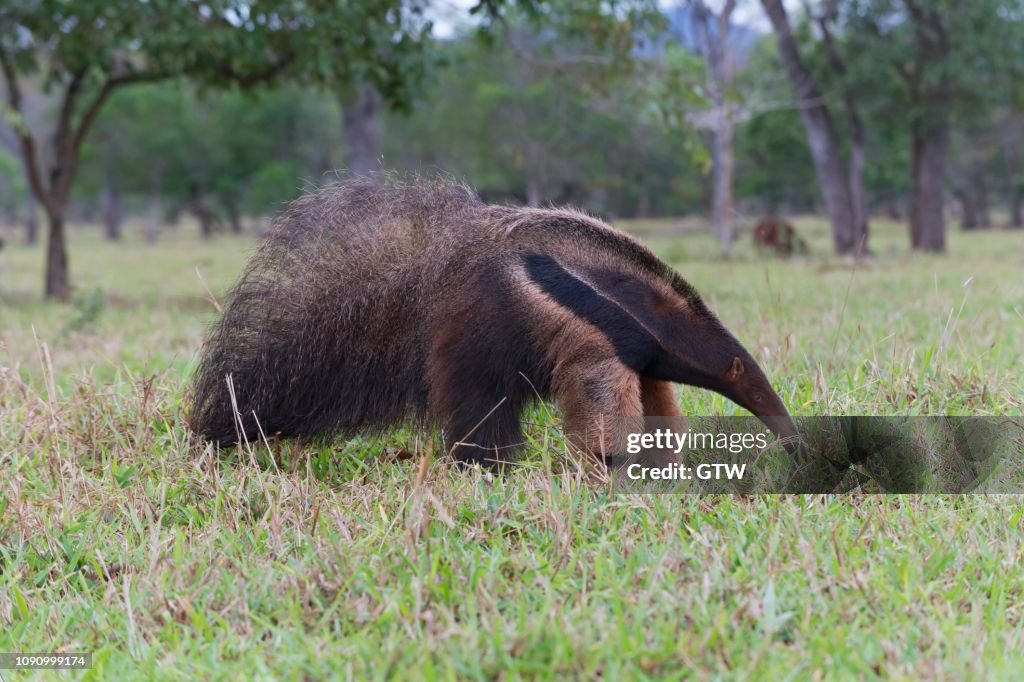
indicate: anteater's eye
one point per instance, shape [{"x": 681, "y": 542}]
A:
[{"x": 758, "y": 398}]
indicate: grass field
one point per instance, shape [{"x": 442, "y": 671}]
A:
[{"x": 120, "y": 537}]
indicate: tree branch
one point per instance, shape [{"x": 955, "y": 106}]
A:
[
  {"x": 838, "y": 64},
  {"x": 108, "y": 87},
  {"x": 67, "y": 109},
  {"x": 268, "y": 74},
  {"x": 63, "y": 147},
  {"x": 69, "y": 151},
  {"x": 28, "y": 145}
]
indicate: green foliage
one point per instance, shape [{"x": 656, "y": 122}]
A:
[
  {"x": 899, "y": 53},
  {"x": 251, "y": 151},
  {"x": 87, "y": 308},
  {"x": 12, "y": 183},
  {"x": 220, "y": 43},
  {"x": 774, "y": 163},
  {"x": 508, "y": 124}
]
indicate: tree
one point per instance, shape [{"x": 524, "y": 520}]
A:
[
  {"x": 84, "y": 51},
  {"x": 538, "y": 129},
  {"x": 821, "y": 135},
  {"x": 713, "y": 40},
  {"x": 929, "y": 80},
  {"x": 837, "y": 64},
  {"x": 774, "y": 166},
  {"x": 1013, "y": 154},
  {"x": 951, "y": 60},
  {"x": 360, "y": 109}
]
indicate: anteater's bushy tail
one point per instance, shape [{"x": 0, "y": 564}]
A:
[{"x": 323, "y": 333}]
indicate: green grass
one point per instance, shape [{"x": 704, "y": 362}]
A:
[{"x": 120, "y": 537}]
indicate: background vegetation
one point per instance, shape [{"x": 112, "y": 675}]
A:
[
  {"x": 225, "y": 110},
  {"x": 360, "y": 559}
]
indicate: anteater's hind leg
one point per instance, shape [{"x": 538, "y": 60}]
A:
[
  {"x": 595, "y": 394},
  {"x": 477, "y": 404}
]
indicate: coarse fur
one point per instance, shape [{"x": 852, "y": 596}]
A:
[{"x": 384, "y": 299}]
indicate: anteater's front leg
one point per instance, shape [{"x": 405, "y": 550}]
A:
[
  {"x": 658, "y": 398},
  {"x": 591, "y": 392},
  {"x": 661, "y": 411}
]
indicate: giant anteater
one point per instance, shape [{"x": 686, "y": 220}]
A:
[{"x": 382, "y": 300}]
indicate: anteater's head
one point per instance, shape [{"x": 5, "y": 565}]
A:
[
  {"x": 656, "y": 322},
  {"x": 746, "y": 385},
  {"x": 696, "y": 349}
]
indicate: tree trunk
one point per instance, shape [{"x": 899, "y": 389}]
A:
[
  {"x": 197, "y": 204},
  {"x": 892, "y": 208},
  {"x": 234, "y": 215},
  {"x": 930, "y": 126},
  {"x": 643, "y": 203},
  {"x": 858, "y": 194},
  {"x": 858, "y": 156},
  {"x": 173, "y": 217},
  {"x": 56, "y": 259},
  {"x": 362, "y": 129},
  {"x": 820, "y": 131},
  {"x": 723, "y": 163},
  {"x": 206, "y": 222},
  {"x": 712, "y": 32},
  {"x": 1013, "y": 146},
  {"x": 153, "y": 221},
  {"x": 968, "y": 210},
  {"x": 930, "y": 147},
  {"x": 973, "y": 196},
  {"x": 110, "y": 201},
  {"x": 534, "y": 192},
  {"x": 535, "y": 168},
  {"x": 31, "y": 219}
]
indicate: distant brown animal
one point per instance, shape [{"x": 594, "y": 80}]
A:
[
  {"x": 773, "y": 234},
  {"x": 381, "y": 301}
]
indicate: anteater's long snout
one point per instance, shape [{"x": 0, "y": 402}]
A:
[
  {"x": 776, "y": 417},
  {"x": 785, "y": 429}
]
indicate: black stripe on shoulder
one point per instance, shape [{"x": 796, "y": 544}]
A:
[
  {"x": 633, "y": 344},
  {"x": 626, "y": 247},
  {"x": 642, "y": 256}
]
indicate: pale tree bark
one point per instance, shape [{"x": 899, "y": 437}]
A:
[
  {"x": 535, "y": 169},
  {"x": 534, "y": 193},
  {"x": 820, "y": 130},
  {"x": 156, "y": 183},
  {"x": 713, "y": 33},
  {"x": 360, "y": 119},
  {"x": 153, "y": 219},
  {"x": 1013, "y": 152},
  {"x": 110, "y": 208}
]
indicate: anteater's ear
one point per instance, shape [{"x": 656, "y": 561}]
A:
[{"x": 735, "y": 371}]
